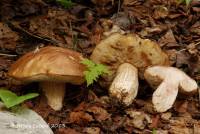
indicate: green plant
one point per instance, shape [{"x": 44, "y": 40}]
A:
[
  {"x": 154, "y": 131},
  {"x": 93, "y": 71},
  {"x": 187, "y": 2},
  {"x": 10, "y": 99},
  {"x": 65, "y": 3}
]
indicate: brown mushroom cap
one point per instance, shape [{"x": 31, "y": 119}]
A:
[
  {"x": 117, "y": 49},
  {"x": 49, "y": 64}
]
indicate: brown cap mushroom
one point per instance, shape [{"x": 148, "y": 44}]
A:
[
  {"x": 117, "y": 49},
  {"x": 52, "y": 67},
  {"x": 168, "y": 80}
]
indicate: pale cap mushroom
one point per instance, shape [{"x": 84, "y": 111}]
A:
[
  {"x": 117, "y": 49},
  {"x": 168, "y": 81},
  {"x": 52, "y": 67}
]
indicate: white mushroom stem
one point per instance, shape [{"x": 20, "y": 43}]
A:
[
  {"x": 125, "y": 85},
  {"x": 55, "y": 93},
  {"x": 171, "y": 81}
]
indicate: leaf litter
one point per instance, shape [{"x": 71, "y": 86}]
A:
[{"x": 173, "y": 25}]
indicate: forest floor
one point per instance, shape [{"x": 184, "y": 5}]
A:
[{"x": 29, "y": 24}]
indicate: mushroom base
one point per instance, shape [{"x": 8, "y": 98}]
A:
[{"x": 55, "y": 93}]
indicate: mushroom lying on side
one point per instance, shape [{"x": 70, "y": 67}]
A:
[
  {"x": 52, "y": 67},
  {"x": 117, "y": 49},
  {"x": 168, "y": 80}
]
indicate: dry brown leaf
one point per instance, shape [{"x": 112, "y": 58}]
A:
[
  {"x": 4, "y": 63},
  {"x": 137, "y": 119},
  {"x": 166, "y": 116},
  {"x": 101, "y": 2},
  {"x": 155, "y": 121},
  {"x": 55, "y": 25},
  {"x": 196, "y": 128},
  {"x": 195, "y": 28},
  {"x": 92, "y": 130},
  {"x": 181, "y": 106},
  {"x": 8, "y": 38},
  {"x": 82, "y": 106},
  {"x": 179, "y": 126},
  {"x": 104, "y": 7},
  {"x": 160, "y": 12},
  {"x": 66, "y": 131},
  {"x": 182, "y": 58},
  {"x": 100, "y": 114},
  {"x": 20, "y": 8},
  {"x": 168, "y": 40},
  {"x": 80, "y": 118},
  {"x": 172, "y": 54}
]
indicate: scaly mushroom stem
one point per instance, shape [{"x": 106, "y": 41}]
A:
[
  {"x": 55, "y": 93},
  {"x": 125, "y": 85}
]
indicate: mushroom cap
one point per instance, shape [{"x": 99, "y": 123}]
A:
[
  {"x": 117, "y": 49},
  {"x": 49, "y": 64}
]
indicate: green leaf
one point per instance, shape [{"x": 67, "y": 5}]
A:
[
  {"x": 10, "y": 99},
  {"x": 154, "y": 131},
  {"x": 88, "y": 63},
  {"x": 65, "y": 3},
  {"x": 187, "y": 2},
  {"x": 93, "y": 71}
]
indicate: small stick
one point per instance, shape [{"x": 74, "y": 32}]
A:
[
  {"x": 8, "y": 55},
  {"x": 199, "y": 94}
]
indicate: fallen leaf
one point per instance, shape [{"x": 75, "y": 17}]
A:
[
  {"x": 137, "y": 119},
  {"x": 66, "y": 131},
  {"x": 160, "y": 12},
  {"x": 100, "y": 114},
  {"x": 166, "y": 116},
  {"x": 155, "y": 121},
  {"x": 195, "y": 28},
  {"x": 179, "y": 126},
  {"x": 92, "y": 130},
  {"x": 80, "y": 118},
  {"x": 168, "y": 40},
  {"x": 82, "y": 106},
  {"x": 181, "y": 106},
  {"x": 8, "y": 38},
  {"x": 196, "y": 128}
]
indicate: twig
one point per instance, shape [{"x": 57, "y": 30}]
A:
[
  {"x": 118, "y": 8},
  {"x": 199, "y": 94},
  {"x": 8, "y": 55},
  {"x": 22, "y": 31}
]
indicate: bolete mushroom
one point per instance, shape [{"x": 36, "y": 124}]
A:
[
  {"x": 168, "y": 80},
  {"x": 52, "y": 67},
  {"x": 117, "y": 49},
  {"x": 125, "y": 85}
]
